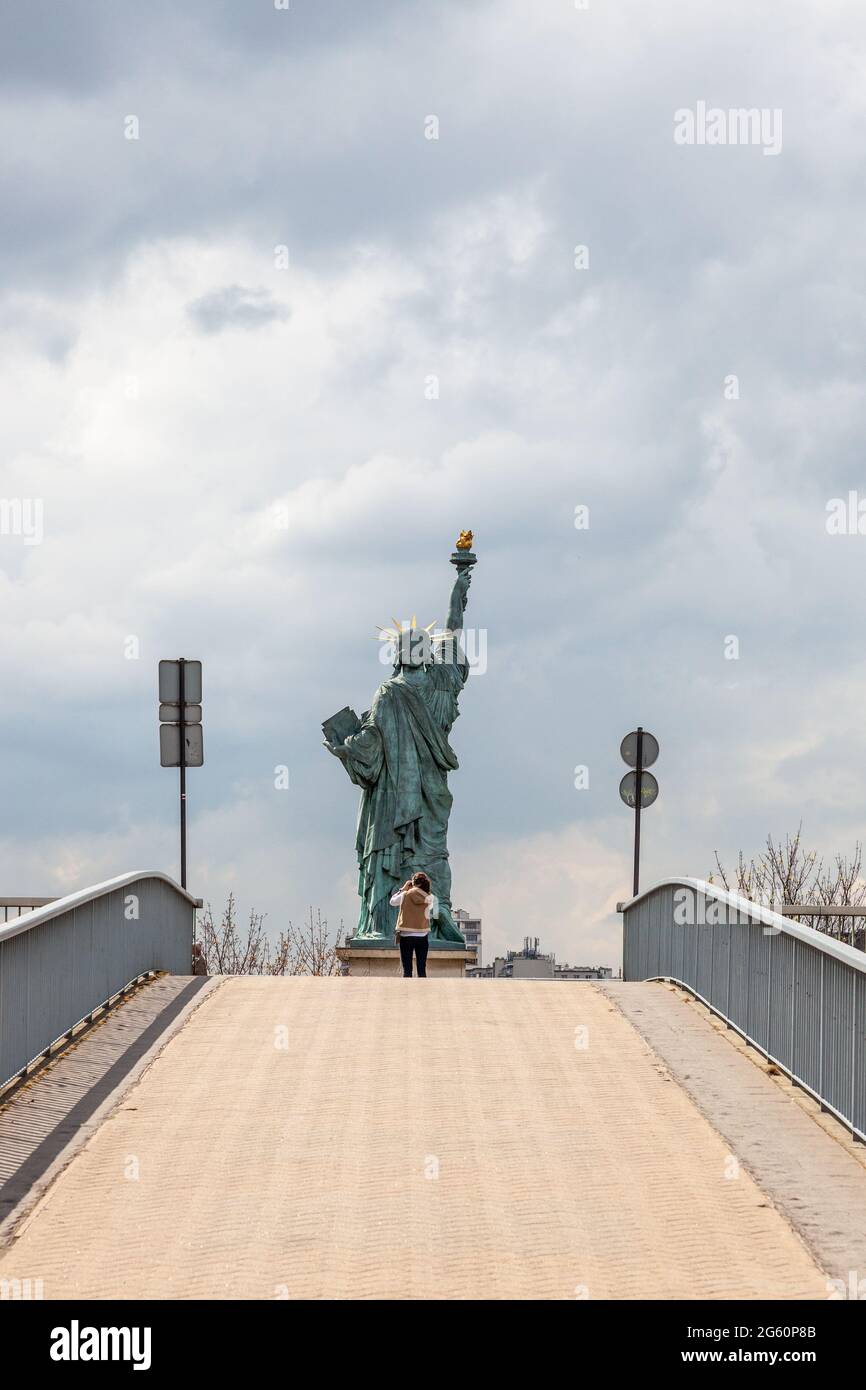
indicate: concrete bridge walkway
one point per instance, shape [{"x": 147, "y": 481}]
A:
[{"x": 352, "y": 1138}]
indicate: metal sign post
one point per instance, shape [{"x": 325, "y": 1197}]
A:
[
  {"x": 639, "y": 750},
  {"x": 180, "y": 732},
  {"x": 638, "y": 775},
  {"x": 182, "y": 726}
]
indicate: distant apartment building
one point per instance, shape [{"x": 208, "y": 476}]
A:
[
  {"x": 471, "y": 929},
  {"x": 532, "y": 964}
]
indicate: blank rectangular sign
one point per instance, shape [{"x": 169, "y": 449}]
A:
[
  {"x": 170, "y": 714},
  {"x": 169, "y": 682},
  {"x": 169, "y": 745}
]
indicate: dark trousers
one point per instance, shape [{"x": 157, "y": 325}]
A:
[{"x": 418, "y": 944}]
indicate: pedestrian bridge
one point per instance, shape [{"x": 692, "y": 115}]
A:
[{"x": 300, "y": 1137}]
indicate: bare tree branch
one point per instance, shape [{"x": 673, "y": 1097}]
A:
[
  {"x": 787, "y": 873},
  {"x": 227, "y": 950}
]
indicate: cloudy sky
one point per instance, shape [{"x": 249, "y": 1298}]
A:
[{"x": 234, "y": 261}]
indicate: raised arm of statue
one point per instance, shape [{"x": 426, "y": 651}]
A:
[{"x": 459, "y": 596}]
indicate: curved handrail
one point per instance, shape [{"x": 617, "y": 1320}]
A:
[
  {"x": 85, "y": 895},
  {"x": 746, "y": 907},
  {"x": 63, "y": 962},
  {"x": 796, "y": 994}
]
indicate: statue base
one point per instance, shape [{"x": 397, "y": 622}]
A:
[{"x": 377, "y": 956}]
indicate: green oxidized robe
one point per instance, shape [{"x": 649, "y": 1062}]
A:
[{"x": 400, "y": 758}]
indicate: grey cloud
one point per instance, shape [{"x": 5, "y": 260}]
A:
[
  {"x": 83, "y": 45},
  {"x": 234, "y": 306},
  {"x": 317, "y": 142}
]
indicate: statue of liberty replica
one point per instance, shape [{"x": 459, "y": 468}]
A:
[{"x": 399, "y": 755}]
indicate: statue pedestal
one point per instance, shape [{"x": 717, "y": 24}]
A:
[{"x": 445, "y": 959}]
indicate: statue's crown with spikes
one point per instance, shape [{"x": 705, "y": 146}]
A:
[{"x": 401, "y": 631}]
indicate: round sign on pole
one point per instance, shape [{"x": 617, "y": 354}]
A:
[
  {"x": 649, "y": 751},
  {"x": 649, "y": 788}
]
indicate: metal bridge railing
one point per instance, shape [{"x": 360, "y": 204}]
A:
[
  {"x": 13, "y": 907},
  {"x": 796, "y": 994},
  {"x": 61, "y": 962}
]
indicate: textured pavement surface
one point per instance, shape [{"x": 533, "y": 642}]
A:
[
  {"x": 815, "y": 1176},
  {"x": 366, "y": 1138},
  {"x": 68, "y": 1099}
]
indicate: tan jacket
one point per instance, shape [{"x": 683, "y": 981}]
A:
[{"x": 413, "y": 911}]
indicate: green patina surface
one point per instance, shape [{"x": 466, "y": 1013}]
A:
[{"x": 400, "y": 757}]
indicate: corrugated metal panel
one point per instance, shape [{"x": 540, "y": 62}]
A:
[
  {"x": 738, "y": 1005},
  {"x": 55, "y": 973},
  {"x": 690, "y": 948},
  {"x": 807, "y": 1017},
  {"x": 760, "y": 945},
  {"x": 704, "y": 974},
  {"x": 837, "y": 1040},
  {"x": 663, "y": 931},
  {"x": 643, "y": 945},
  {"x": 678, "y": 942},
  {"x": 721, "y": 964},
  {"x": 781, "y": 999}
]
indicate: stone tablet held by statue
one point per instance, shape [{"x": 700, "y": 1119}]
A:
[{"x": 340, "y": 725}]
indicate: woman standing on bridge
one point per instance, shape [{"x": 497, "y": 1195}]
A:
[{"x": 417, "y": 905}]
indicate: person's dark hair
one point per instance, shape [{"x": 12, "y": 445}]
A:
[{"x": 421, "y": 881}]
